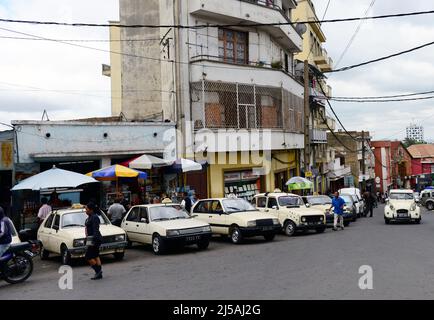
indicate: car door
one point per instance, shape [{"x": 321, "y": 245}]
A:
[
  {"x": 218, "y": 217},
  {"x": 144, "y": 232},
  {"x": 131, "y": 225},
  {"x": 202, "y": 211},
  {"x": 55, "y": 235},
  {"x": 45, "y": 230},
  {"x": 272, "y": 207},
  {"x": 261, "y": 203}
]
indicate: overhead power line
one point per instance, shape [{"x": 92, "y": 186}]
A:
[
  {"x": 200, "y": 26},
  {"x": 381, "y": 59},
  {"x": 383, "y": 97},
  {"x": 381, "y": 101}
]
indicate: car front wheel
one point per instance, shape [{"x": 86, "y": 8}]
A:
[
  {"x": 203, "y": 244},
  {"x": 430, "y": 205},
  {"x": 269, "y": 237},
  {"x": 236, "y": 236},
  {"x": 346, "y": 223},
  {"x": 65, "y": 255},
  {"x": 387, "y": 221},
  {"x": 119, "y": 255},
  {"x": 320, "y": 230},
  {"x": 158, "y": 246},
  {"x": 289, "y": 228},
  {"x": 44, "y": 254}
]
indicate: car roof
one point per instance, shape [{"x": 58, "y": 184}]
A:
[
  {"x": 401, "y": 191},
  {"x": 168, "y": 204},
  {"x": 65, "y": 211},
  {"x": 276, "y": 194}
]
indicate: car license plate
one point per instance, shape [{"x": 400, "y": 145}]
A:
[
  {"x": 267, "y": 228},
  {"x": 193, "y": 238},
  {"x": 402, "y": 215}
]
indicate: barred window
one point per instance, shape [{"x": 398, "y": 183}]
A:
[{"x": 233, "y": 46}]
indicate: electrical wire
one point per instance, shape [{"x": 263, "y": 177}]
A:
[
  {"x": 200, "y": 26},
  {"x": 381, "y": 59},
  {"x": 383, "y": 97},
  {"x": 381, "y": 101}
]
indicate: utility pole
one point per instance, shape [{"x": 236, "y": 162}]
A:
[
  {"x": 306, "y": 116},
  {"x": 363, "y": 161}
]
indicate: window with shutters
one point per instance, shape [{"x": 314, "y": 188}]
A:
[{"x": 233, "y": 46}]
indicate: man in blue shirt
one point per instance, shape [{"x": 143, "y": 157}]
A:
[{"x": 338, "y": 210}]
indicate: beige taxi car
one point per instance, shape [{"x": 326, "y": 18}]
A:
[
  {"x": 401, "y": 206},
  {"x": 237, "y": 218},
  {"x": 165, "y": 225},
  {"x": 63, "y": 232},
  {"x": 291, "y": 212}
]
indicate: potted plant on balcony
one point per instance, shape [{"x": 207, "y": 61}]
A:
[{"x": 276, "y": 65}]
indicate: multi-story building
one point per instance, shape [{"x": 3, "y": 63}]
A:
[
  {"x": 318, "y": 122},
  {"x": 230, "y": 87},
  {"x": 415, "y": 132},
  {"x": 355, "y": 152},
  {"x": 393, "y": 168},
  {"x": 422, "y": 165}
]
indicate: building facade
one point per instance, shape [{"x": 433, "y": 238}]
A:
[
  {"x": 231, "y": 89},
  {"x": 316, "y": 165},
  {"x": 415, "y": 132},
  {"x": 422, "y": 165}
]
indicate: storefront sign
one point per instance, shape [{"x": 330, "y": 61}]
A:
[
  {"x": 248, "y": 175},
  {"x": 232, "y": 176},
  {"x": 6, "y": 160},
  {"x": 308, "y": 174}
]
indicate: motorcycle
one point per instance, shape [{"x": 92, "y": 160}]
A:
[{"x": 16, "y": 264}]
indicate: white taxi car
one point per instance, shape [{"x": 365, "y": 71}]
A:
[
  {"x": 63, "y": 232},
  {"x": 237, "y": 218},
  {"x": 163, "y": 225},
  {"x": 291, "y": 212},
  {"x": 402, "y": 206}
]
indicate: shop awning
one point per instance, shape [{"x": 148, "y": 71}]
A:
[
  {"x": 299, "y": 183},
  {"x": 147, "y": 161}
]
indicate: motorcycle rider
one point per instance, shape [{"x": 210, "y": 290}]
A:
[{"x": 5, "y": 232}]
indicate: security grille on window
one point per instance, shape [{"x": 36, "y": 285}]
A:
[{"x": 233, "y": 46}]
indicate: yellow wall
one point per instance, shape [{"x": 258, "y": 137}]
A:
[
  {"x": 115, "y": 65},
  {"x": 216, "y": 171}
]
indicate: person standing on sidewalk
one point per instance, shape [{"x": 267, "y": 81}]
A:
[
  {"x": 370, "y": 203},
  {"x": 93, "y": 240},
  {"x": 338, "y": 210},
  {"x": 116, "y": 212}
]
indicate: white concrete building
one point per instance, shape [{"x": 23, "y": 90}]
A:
[
  {"x": 415, "y": 132},
  {"x": 220, "y": 78}
]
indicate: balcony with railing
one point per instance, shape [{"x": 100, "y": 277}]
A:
[
  {"x": 318, "y": 136},
  {"x": 220, "y": 105},
  {"x": 248, "y": 12}
]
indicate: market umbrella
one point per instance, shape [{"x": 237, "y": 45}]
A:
[
  {"x": 299, "y": 183},
  {"x": 148, "y": 162},
  {"x": 114, "y": 172},
  {"x": 186, "y": 165},
  {"x": 54, "y": 178}
]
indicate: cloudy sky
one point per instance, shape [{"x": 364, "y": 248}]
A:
[{"x": 67, "y": 81}]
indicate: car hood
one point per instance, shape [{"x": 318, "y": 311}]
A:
[
  {"x": 252, "y": 215},
  {"x": 322, "y": 207},
  {"x": 106, "y": 230},
  {"x": 313, "y": 211},
  {"x": 181, "y": 224},
  {"x": 402, "y": 204}
]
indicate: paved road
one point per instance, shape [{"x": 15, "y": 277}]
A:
[{"x": 312, "y": 266}]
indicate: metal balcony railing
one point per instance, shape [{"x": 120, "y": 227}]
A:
[
  {"x": 222, "y": 105},
  {"x": 318, "y": 136}
]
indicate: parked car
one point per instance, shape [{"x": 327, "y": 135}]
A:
[
  {"x": 322, "y": 203},
  {"x": 165, "y": 225},
  {"x": 237, "y": 218},
  {"x": 63, "y": 232},
  {"x": 350, "y": 211},
  {"x": 401, "y": 206},
  {"x": 360, "y": 203},
  {"x": 291, "y": 212},
  {"x": 427, "y": 199}
]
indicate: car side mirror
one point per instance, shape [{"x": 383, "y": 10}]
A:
[
  {"x": 275, "y": 208},
  {"x": 56, "y": 228},
  {"x": 307, "y": 205},
  {"x": 194, "y": 216},
  {"x": 144, "y": 220},
  {"x": 220, "y": 212}
]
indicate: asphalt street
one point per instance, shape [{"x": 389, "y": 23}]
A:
[{"x": 307, "y": 266}]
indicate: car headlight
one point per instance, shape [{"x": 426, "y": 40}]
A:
[
  {"x": 391, "y": 207},
  {"x": 120, "y": 237},
  {"x": 303, "y": 219},
  {"x": 276, "y": 221},
  {"x": 171, "y": 233},
  {"x": 321, "y": 218},
  {"x": 413, "y": 207},
  {"x": 206, "y": 229},
  {"x": 79, "y": 243},
  {"x": 251, "y": 224}
]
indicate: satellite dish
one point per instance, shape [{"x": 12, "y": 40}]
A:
[{"x": 300, "y": 28}]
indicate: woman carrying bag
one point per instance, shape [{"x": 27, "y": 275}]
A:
[{"x": 93, "y": 240}]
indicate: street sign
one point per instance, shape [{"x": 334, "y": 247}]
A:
[
  {"x": 377, "y": 180},
  {"x": 308, "y": 174}
]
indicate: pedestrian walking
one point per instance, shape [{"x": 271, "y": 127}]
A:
[
  {"x": 116, "y": 212},
  {"x": 338, "y": 211},
  {"x": 370, "y": 204},
  {"x": 5, "y": 232},
  {"x": 44, "y": 210},
  {"x": 188, "y": 202},
  {"x": 93, "y": 240}
]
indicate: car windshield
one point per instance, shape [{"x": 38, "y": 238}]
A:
[
  {"x": 162, "y": 213},
  {"x": 319, "y": 200},
  {"x": 237, "y": 205},
  {"x": 288, "y": 201},
  {"x": 347, "y": 199},
  {"x": 401, "y": 196},
  {"x": 78, "y": 219}
]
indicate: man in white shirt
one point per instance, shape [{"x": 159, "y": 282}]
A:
[
  {"x": 44, "y": 210},
  {"x": 116, "y": 213}
]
